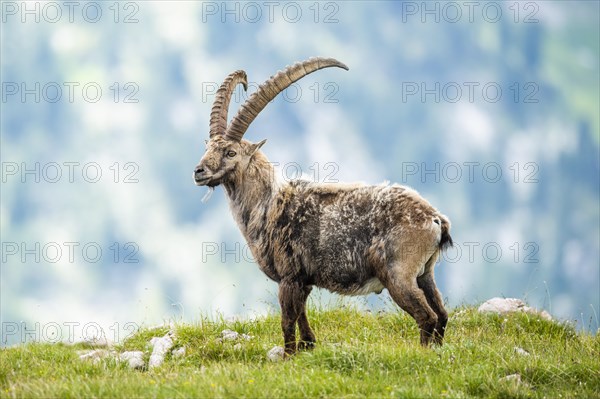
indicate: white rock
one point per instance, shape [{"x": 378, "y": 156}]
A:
[
  {"x": 161, "y": 345},
  {"x": 545, "y": 315},
  {"x": 501, "y": 305},
  {"x": 229, "y": 335},
  {"x": 509, "y": 305},
  {"x": 135, "y": 359},
  {"x": 237, "y": 347},
  {"x": 521, "y": 351},
  {"x": 512, "y": 378},
  {"x": 95, "y": 355},
  {"x": 179, "y": 352},
  {"x": 98, "y": 342},
  {"x": 276, "y": 354}
]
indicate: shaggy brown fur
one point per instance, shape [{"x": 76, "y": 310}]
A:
[{"x": 352, "y": 239}]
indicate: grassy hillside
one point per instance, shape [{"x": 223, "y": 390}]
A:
[{"x": 358, "y": 354}]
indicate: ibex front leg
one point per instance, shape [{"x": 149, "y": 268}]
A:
[
  {"x": 291, "y": 300},
  {"x": 307, "y": 337}
]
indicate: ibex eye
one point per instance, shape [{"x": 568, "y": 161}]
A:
[{"x": 231, "y": 154}]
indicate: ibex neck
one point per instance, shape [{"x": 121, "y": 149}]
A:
[{"x": 250, "y": 191}]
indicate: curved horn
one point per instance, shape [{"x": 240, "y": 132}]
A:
[
  {"x": 271, "y": 88},
  {"x": 218, "y": 114}
]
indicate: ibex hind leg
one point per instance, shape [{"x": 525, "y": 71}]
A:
[
  {"x": 405, "y": 262},
  {"x": 427, "y": 284},
  {"x": 407, "y": 294}
]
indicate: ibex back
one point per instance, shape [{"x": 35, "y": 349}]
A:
[{"x": 351, "y": 239}]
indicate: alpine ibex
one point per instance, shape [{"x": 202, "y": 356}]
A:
[{"x": 351, "y": 239}]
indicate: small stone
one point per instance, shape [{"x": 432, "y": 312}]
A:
[
  {"x": 521, "y": 351},
  {"x": 510, "y": 305},
  {"x": 179, "y": 352},
  {"x": 545, "y": 315},
  {"x": 276, "y": 354},
  {"x": 501, "y": 305},
  {"x": 161, "y": 345},
  {"x": 99, "y": 342},
  {"x": 135, "y": 359},
  {"x": 237, "y": 347},
  {"x": 95, "y": 355},
  {"x": 229, "y": 335},
  {"x": 516, "y": 378},
  {"x": 96, "y": 342}
]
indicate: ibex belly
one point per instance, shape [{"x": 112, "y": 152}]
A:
[{"x": 371, "y": 285}]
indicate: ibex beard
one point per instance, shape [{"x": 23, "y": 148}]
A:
[{"x": 352, "y": 239}]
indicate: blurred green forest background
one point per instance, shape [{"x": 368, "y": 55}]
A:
[{"x": 492, "y": 115}]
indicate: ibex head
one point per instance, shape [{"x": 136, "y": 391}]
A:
[{"x": 225, "y": 150}]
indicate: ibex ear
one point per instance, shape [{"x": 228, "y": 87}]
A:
[{"x": 256, "y": 146}]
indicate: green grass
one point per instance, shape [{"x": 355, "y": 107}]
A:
[{"x": 358, "y": 354}]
